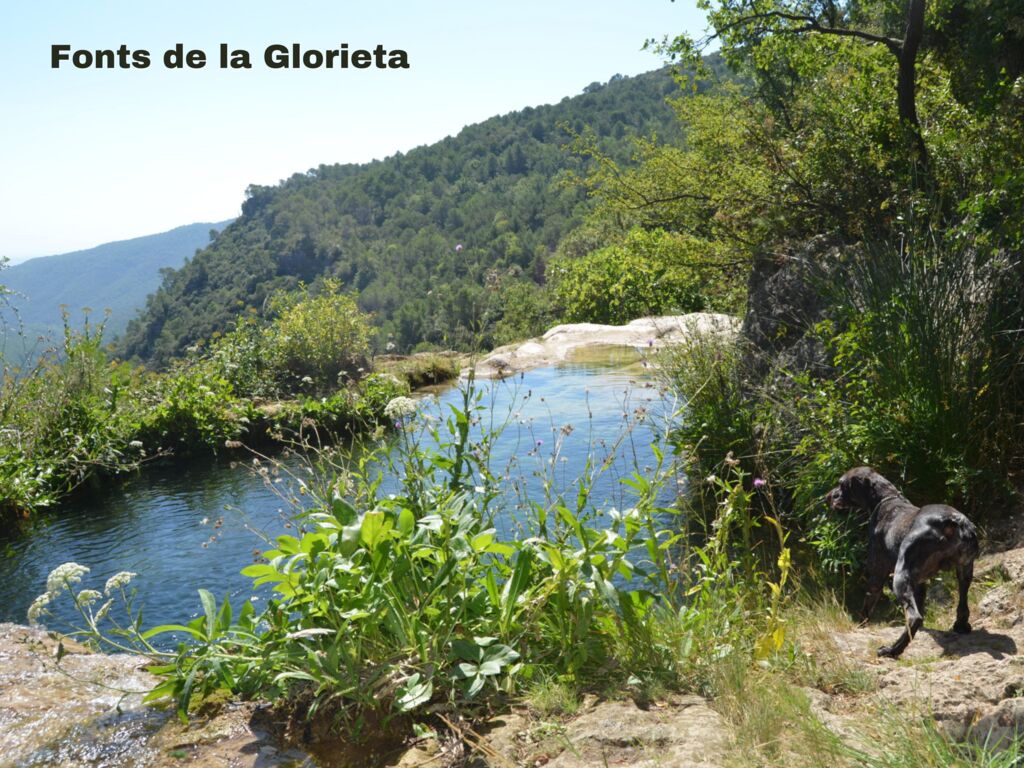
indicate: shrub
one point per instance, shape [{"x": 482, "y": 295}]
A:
[
  {"x": 356, "y": 409},
  {"x": 525, "y": 312},
  {"x": 718, "y": 415},
  {"x": 247, "y": 359},
  {"x": 927, "y": 384},
  {"x": 322, "y": 336},
  {"x": 930, "y": 361},
  {"x": 375, "y": 392},
  {"x": 72, "y": 414},
  {"x": 192, "y": 410},
  {"x": 651, "y": 273}
]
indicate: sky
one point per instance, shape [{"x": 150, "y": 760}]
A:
[{"x": 88, "y": 156}]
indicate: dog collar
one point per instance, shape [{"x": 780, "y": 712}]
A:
[{"x": 884, "y": 499}]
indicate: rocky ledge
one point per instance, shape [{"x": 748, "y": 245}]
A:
[
  {"x": 560, "y": 343},
  {"x": 88, "y": 711}
]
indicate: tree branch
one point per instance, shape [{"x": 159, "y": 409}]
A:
[{"x": 811, "y": 24}]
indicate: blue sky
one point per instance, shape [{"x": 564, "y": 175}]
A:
[{"x": 89, "y": 156}]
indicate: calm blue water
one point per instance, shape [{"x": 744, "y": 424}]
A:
[{"x": 185, "y": 527}]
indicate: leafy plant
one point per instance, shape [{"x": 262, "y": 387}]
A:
[
  {"x": 193, "y": 410},
  {"x": 651, "y": 273},
  {"x": 322, "y": 336},
  {"x": 389, "y": 602}
]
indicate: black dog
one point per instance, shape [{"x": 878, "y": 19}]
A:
[{"x": 912, "y": 544}]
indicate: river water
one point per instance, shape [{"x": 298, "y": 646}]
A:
[{"x": 181, "y": 527}]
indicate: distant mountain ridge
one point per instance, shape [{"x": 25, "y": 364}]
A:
[
  {"x": 116, "y": 276},
  {"x": 432, "y": 239}
]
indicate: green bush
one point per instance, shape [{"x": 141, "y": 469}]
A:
[
  {"x": 73, "y": 414},
  {"x": 651, "y": 273},
  {"x": 718, "y": 415},
  {"x": 309, "y": 344},
  {"x": 247, "y": 359},
  {"x": 927, "y": 384},
  {"x": 375, "y": 392},
  {"x": 317, "y": 339},
  {"x": 930, "y": 362},
  {"x": 525, "y": 312},
  {"x": 357, "y": 408},
  {"x": 193, "y": 410}
]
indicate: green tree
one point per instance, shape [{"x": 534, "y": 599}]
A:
[
  {"x": 980, "y": 42},
  {"x": 764, "y": 25},
  {"x": 650, "y": 273}
]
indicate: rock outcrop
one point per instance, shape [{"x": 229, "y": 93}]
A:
[
  {"x": 88, "y": 711},
  {"x": 785, "y": 299},
  {"x": 561, "y": 342},
  {"x": 972, "y": 685}
]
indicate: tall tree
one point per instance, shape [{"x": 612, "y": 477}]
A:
[{"x": 743, "y": 26}]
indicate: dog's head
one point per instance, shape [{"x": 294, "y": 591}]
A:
[{"x": 856, "y": 490}]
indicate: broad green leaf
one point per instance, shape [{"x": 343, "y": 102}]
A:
[
  {"x": 464, "y": 649},
  {"x": 210, "y": 609},
  {"x": 374, "y": 529},
  {"x": 476, "y": 685},
  {"x": 414, "y": 692},
  {"x": 490, "y": 668},
  {"x": 406, "y": 522}
]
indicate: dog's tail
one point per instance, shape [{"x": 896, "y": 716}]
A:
[{"x": 958, "y": 526}]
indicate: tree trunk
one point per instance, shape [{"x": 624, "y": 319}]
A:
[{"x": 906, "y": 81}]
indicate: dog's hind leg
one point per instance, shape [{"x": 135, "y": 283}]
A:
[
  {"x": 920, "y": 594},
  {"x": 964, "y": 576},
  {"x": 903, "y": 587}
]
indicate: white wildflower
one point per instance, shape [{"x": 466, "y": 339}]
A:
[
  {"x": 103, "y": 611},
  {"x": 136, "y": 444},
  {"x": 88, "y": 596},
  {"x": 36, "y": 609},
  {"x": 400, "y": 407},
  {"x": 711, "y": 479},
  {"x": 119, "y": 581},
  {"x": 63, "y": 576}
]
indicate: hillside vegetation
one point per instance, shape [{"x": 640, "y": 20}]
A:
[
  {"x": 114, "y": 276},
  {"x": 426, "y": 238}
]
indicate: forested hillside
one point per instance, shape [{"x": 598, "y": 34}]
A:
[
  {"x": 114, "y": 276},
  {"x": 432, "y": 240}
]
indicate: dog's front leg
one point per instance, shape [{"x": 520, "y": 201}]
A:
[
  {"x": 875, "y": 586},
  {"x": 878, "y": 569},
  {"x": 964, "y": 576}
]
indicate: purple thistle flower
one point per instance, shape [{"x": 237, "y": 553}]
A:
[{"x": 759, "y": 482}]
